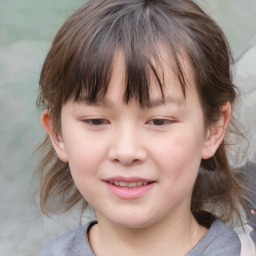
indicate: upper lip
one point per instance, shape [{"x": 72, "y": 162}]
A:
[{"x": 128, "y": 179}]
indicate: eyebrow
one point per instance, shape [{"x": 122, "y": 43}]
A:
[
  {"x": 104, "y": 102},
  {"x": 166, "y": 100}
]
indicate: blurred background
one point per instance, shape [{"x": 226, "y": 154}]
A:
[{"x": 26, "y": 30}]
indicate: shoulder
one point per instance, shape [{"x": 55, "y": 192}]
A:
[
  {"x": 72, "y": 243},
  {"x": 219, "y": 240}
]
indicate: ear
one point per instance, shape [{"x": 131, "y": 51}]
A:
[
  {"x": 216, "y": 132},
  {"x": 57, "y": 141}
]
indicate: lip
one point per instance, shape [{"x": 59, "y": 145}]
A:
[
  {"x": 129, "y": 192},
  {"x": 128, "y": 179}
]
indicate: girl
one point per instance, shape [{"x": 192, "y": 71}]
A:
[{"x": 137, "y": 99}]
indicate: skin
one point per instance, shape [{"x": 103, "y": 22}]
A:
[{"x": 163, "y": 143}]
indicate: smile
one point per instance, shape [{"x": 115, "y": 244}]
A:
[
  {"x": 129, "y": 188},
  {"x": 124, "y": 184}
]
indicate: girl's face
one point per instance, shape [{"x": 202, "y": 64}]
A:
[{"x": 136, "y": 166}]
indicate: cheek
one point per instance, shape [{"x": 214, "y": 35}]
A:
[
  {"x": 180, "y": 153},
  {"x": 85, "y": 159},
  {"x": 85, "y": 155}
]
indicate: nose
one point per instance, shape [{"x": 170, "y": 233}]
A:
[{"x": 127, "y": 147}]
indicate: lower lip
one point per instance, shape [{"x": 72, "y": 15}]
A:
[{"x": 129, "y": 193}]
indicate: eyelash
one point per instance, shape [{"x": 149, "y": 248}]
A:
[
  {"x": 154, "y": 122},
  {"x": 163, "y": 122},
  {"x": 96, "y": 121}
]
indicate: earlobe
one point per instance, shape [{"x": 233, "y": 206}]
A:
[
  {"x": 57, "y": 142},
  {"x": 216, "y": 132}
]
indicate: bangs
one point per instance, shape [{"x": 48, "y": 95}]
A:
[{"x": 137, "y": 34}]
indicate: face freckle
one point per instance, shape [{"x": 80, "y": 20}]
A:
[{"x": 141, "y": 162}]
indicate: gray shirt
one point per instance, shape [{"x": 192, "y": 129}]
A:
[{"x": 219, "y": 240}]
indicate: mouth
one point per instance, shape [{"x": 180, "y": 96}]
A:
[
  {"x": 129, "y": 188},
  {"x": 123, "y": 184}
]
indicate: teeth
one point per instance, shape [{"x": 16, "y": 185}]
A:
[
  {"x": 128, "y": 184},
  {"x": 132, "y": 184},
  {"x": 121, "y": 184}
]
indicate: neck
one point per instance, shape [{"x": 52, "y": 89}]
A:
[{"x": 168, "y": 237}]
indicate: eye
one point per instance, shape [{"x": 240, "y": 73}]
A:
[
  {"x": 96, "y": 121},
  {"x": 159, "y": 122}
]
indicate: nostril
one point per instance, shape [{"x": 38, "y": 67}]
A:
[
  {"x": 127, "y": 151},
  {"x": 127, "y": 161}
]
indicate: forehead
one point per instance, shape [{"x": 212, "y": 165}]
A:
[{"x": 164, "y": 80}]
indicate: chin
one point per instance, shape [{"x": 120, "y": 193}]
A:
[{"x": 134, "y": 221}]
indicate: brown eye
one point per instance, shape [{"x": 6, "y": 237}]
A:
[
  {"x": 96, "y": 121},
  {"x": 159, "y": 122}
]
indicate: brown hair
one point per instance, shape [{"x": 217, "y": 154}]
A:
[{"x": 80, "y": 63}]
